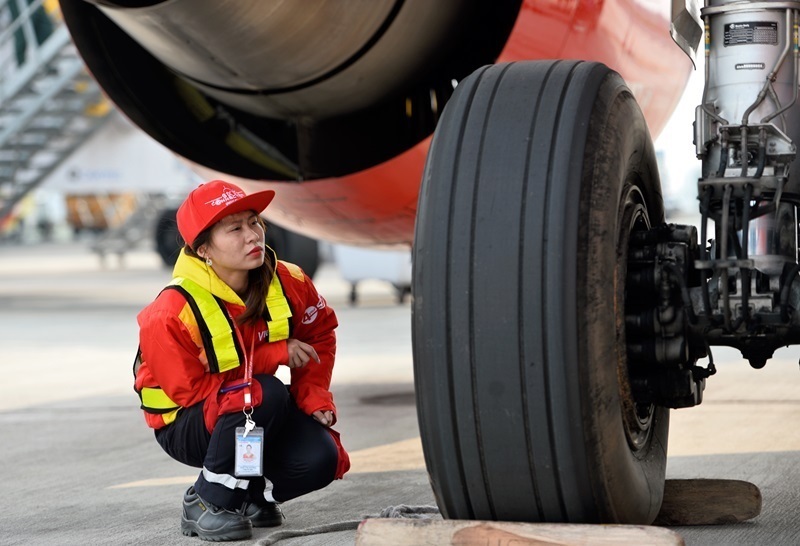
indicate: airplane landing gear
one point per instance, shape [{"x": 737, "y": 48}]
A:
[{"x": 539, "y": 177}]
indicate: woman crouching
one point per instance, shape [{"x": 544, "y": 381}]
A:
[{"x": 210, "y": 345}]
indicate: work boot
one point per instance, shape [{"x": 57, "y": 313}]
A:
[
  {"x": 211, "y": 522},
  {"x": 264, "y": 515}
]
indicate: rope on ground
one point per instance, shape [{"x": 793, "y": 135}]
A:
[
  {"x": 405, "y": 511},
  {"x": 399, "y": 511}
]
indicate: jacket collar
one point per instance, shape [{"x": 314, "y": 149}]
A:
[{"x": 196, "y": 270}]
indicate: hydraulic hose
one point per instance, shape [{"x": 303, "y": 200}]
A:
[
  {"x": 762, "y": 154},
  {"x": 772, "y": 75},
  {"x": 745, "y": 161},
  {"x": 748, "y": 194},
  {"x": 723, "y": 154},
  {"x": 706, "y": 203},
  {"x": 790, "y": 17},
  {"x": 723, "y": 242}
]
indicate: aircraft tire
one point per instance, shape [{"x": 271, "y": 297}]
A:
[
  {"x": 537, "y": 174},
  {"x": 295, "y": 248},
  {"x": 168, "y": 240}
]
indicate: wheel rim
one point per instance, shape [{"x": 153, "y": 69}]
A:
[{"x": 637, "y": 416}]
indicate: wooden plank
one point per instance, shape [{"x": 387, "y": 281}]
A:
[
  {"x": 708, "y": 502},
  {"x": 414, "y": 532},
  {"x": 686, "y": 502}
]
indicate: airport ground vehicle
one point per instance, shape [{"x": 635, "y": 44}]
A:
[{"x": 557, "y": 318}]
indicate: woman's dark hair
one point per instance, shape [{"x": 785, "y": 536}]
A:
[{"x": 258, "y": 279}]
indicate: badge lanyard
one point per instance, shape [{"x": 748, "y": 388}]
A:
[
  {"x": 249, "y": 440},
  {"x": 249, "y": 424}
]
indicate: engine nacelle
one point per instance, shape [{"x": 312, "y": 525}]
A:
[{"x": 268, "y": 90}]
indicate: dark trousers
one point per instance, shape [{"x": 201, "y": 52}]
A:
[{"x": 299, "y": 454}]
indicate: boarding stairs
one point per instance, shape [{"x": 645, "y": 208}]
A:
[{"x": 49, "y": 104}]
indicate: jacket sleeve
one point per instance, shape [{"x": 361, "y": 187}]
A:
[
  {"x": 314, "y": 323},
  {"x": 269, "y": 355},
  {"x": 174, "y": 359}
]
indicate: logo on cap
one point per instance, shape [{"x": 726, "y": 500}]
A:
[{"x": 228, "y": 196}]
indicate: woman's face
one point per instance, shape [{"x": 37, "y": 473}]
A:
[{"x": 236, "y": 243}]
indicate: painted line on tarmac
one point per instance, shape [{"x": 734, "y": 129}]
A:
[
  {"x": 397, "y": 456},
  {"x": 403, "y": 455},
  {"x": 155, "y": 482}
]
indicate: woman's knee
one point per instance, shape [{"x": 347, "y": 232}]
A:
[
  {"x": 310, "y": 470},
  {"x": 323, "y": 460},
  {"x": 274, "y": 394}
]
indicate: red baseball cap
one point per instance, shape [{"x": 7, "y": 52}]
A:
[{"x": 211, "y": 202}]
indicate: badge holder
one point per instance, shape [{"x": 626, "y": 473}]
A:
[{"x": 249, "y": 449}]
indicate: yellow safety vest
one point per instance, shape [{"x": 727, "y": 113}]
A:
[{"x": 220, "y": 342}]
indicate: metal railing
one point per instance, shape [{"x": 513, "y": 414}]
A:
[{"x": 49, "y": 104}]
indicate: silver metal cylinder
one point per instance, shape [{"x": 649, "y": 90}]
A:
[
  {"x": 749, "y": 45},
  {"x": 772, "y": 239},
  {"x": 745, "y": 47}
]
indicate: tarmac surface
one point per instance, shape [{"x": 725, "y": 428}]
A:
[{"x": 81, "y": 468}]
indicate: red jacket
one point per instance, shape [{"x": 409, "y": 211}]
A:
[{"x": 173, "y": 357}]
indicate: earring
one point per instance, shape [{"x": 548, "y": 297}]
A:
[{"x": 208, "y": 261}]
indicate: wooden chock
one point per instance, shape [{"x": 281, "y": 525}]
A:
[{"x": 708, "y": 502}]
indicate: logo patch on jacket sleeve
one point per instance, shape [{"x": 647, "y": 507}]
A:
[{"x": 310, "y": 314}]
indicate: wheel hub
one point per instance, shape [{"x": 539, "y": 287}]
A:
[
  {"x": 658, "y": 315},
  {"x": 637, "y": 413}
]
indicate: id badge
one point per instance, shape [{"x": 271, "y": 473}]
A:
[{"x": 249, "y": 452}]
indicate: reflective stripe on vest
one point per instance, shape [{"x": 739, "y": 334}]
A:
[
  {"x": 156, "y": 400},
  {"x": 278, "y": 311},
  {"x": 153, "y": 399},
  {"x": 216, "y": 330}
]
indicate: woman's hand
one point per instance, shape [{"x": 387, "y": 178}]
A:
[
  {"x": 324, "y": 417},
  {"x": 300, "y": 353}
]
